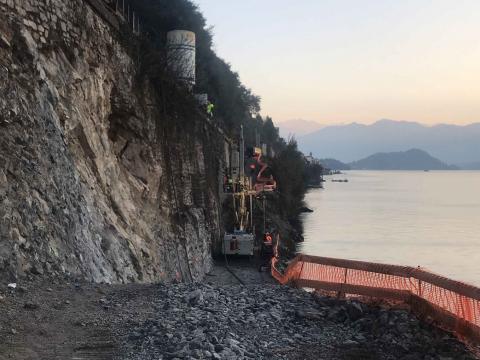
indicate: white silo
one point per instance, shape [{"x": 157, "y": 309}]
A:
[{"x": 181, "y": 55}]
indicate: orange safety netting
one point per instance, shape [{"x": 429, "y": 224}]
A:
[{"x": 451, "y": 304}]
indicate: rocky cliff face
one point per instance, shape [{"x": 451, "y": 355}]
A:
[{"x": 94, "y": 180}]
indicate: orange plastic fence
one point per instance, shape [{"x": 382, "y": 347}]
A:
[{"x": 452, "y": 304}]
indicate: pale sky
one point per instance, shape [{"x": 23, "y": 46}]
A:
[{"x": 340, "y": 61}]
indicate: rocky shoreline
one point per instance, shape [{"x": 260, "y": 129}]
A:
[{"x": 216, "y": 319}]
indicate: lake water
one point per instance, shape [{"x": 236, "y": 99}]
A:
[{"x": 431, "y": 219}]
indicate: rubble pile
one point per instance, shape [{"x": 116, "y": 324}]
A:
[
  {"x": 272, "y": 322},
  {"x": 216, "y": 319}
]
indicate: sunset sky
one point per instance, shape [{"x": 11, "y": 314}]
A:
[{"x": 340, "y": 61}]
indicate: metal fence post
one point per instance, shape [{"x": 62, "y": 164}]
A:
[{"x": 341, "y": 294}]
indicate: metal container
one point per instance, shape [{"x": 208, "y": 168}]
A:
[
  {"x": 238, "y": 244},
  {"x": 181, "y": 55}
]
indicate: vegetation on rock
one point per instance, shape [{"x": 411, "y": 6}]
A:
[{"x": 235, "y": 104}]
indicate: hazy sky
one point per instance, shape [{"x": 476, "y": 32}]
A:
[{"x": 337, "y": 61}]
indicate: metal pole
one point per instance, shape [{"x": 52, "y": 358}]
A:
[
  {"x": 235, "y": 210},
  {"x": 242, "y": 154},
  {"x": 264, "y": 217},
  {"x": 341, "y": 293},
  {"x": 133, "y": 21},
  {"x": 123, "y": 8},
  {"x": 251, "y": 212},
  {"x": 243, "y": 212}
]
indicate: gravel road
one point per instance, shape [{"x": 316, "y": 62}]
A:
[{"x": 216, "y": 319}]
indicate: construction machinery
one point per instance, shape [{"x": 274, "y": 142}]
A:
[
  {"x": 244, "y": 189},
  {"x": 264, "y": 183}
]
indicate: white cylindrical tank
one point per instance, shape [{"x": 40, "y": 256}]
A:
[{"x": 181, "y": 55}]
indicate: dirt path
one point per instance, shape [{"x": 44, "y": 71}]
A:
[{"x": 245, "y": 270}]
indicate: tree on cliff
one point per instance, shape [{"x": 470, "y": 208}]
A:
[
  {"x": 235, "y": 104},
  {"x": 289, "y": 168}
]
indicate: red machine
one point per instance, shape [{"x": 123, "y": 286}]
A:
[{"x": 263, "y": 183}]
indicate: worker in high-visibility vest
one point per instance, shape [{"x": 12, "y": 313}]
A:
[
  {"x": 268, "y": 239},
  {"x": 266, "y": 251},
  {"x": 267, "y": 246},
  {"x": 210, "y": 108}
]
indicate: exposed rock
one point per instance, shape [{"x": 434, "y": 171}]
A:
[
  {"x": 87, "y": 185},
  {"x": 194, "y": 297},
  {"x": 31, "y": 306},
  {"x": 3, "y": 41},
  {"x": 310, "y": 314},
  {"x": 354, "y": 310},
  {"x": 286, "y": 324}
]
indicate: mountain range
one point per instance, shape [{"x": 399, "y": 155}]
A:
[
  {"x": 452, "y": 144},
  {"x": 333, "y": 164},
  {"x": 413, "y": 159},
  {"x": 298, "y": 128}
]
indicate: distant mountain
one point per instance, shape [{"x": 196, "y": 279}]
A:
[
  {"x": 298, "y": 128},
  {"x": 469, "y": 166},
  {"x": 413, "y": 159},
  {"x": 333, "y": 164},
  {"x": 451, "y": 143}
]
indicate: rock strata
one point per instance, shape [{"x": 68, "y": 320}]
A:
[{"x": 95, "y": 180}]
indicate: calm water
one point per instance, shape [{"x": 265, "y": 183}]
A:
[{"x": 431, "y": 219}]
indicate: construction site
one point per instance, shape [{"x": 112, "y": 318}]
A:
[{"x": 147, "y": 210}]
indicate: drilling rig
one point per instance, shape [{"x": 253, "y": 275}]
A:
[{"x": 243, "y": 190}]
